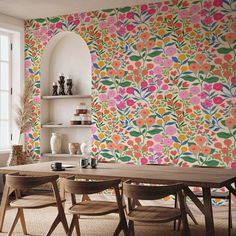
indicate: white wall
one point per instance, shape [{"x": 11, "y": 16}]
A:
[{"x": 16, "y": 27}]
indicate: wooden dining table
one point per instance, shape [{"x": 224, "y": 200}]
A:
[{"x": 205, "y": 178}]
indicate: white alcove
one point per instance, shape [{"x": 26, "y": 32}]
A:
[{"x": 66, "y": 53}]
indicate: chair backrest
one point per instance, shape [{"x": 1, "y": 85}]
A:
[
  {"x": 17, "y": 181},
  {"x": 142, "y": 192},
  {"x": 89, "y": 187}
]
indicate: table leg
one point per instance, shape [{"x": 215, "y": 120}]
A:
[
  {"x": 209, "y": 222},
  {"x": 4, "y": 203}
]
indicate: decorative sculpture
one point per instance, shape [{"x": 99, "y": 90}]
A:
[
  {"x": 61, "y": 82},
  {"x": 69, "y": 86},
  {"x": 54, "y": 89}
]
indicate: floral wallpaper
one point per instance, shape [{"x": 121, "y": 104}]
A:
[{"x": 163, "y": 80}]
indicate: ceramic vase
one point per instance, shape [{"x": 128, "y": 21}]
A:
[
  {"x": 86, "y": 148},
  {"x": 55, "y": 143},
  {"x": 17, "y": 156}
]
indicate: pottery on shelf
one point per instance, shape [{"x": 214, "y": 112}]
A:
[
  {"x": 74, "y": 148},
  {"x": 55, "y": 143}
]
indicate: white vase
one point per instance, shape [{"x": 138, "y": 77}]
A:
[
  {"x": 55, "y": 143},
  {"x": 86, "y": 148}
]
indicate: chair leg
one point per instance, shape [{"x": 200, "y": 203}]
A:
[
  {"x": 77, "y": 228},
  {"x": 74, "y": 224},
  {"x": 14, "y": 222},
  {"x": 230, "y": 224},
  {"x": 54, "y": 225},
  {"x": 22, "y": 220},
  {"x": 191, "y": 214},
  {"x": 176, "y": 206},
  {"x": 131, "y": 228}
]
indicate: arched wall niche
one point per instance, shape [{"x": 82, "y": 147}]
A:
[{"x": 69, "y": 54}]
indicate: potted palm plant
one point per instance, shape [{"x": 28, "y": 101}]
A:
[{"x": 23, "y": 122}]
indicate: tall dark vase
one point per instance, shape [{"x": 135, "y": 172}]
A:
[{"x": 17, "y": 156}]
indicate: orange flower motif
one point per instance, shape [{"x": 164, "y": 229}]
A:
[
  {"x": 230, "y": 122},
  {"x": 144, "y": 113},
  {"x": 110, "y": 73},
  {"x": 227, "y": 159},
  {"x": 116, "y": 64},
  {"x": 139, "y": 122},
  {"x": 111, "y": 146},
  {"x": 205, "y": 67},
  {"x": 120, "y": 73},
  {"x": 233, "y": 26},
  {"x": 200, "y": 140},
  {"x": 145, "y": 36},
  {"x": 150, "y": 44},
  {"x": 116, "y": 138},
  {"x": 194, "y": 67},
  {"x": 200, "y": 57},
  {"x": 140, "y": 46},
  {"x": 194, "y": 149},
  {"x": 150, "y": 121},
  {"x": 233, "y": 111},
  {"x": 206, "y": 150},
  {"x": 120, "y": 147},
  {"x": 230, "y": 37}
]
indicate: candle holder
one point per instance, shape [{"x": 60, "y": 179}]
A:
[
  {"x": 69, "y": 86},
  {"x": 54, "y": 89},
  {"x": 61, "y": 82}
]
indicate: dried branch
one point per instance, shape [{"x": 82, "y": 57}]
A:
[{"x": 24, "y": 109}]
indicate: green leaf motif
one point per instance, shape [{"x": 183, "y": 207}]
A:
[
  {"x": 40, "y": 20},
  {"x": 211, "y": 80},
  {"x": 107, "y": 155},
  {"x": 135, "y": 58},
  {"x": 125, "y": 84},
  {"x": 224, "y": 50},
  {"x": 224, "y": 135},
  {"x": 106, "y": 82},
  {"x": 54, "y": 20},
  {"x": 125, "y": 158},
  {"x": 124, "y": 9},
  {"x": 212, "y": 163},
  {"x": 135, "y": 133},
  {"x": 189, "y": 78},
  {"x": 154, "y": 131},
  {"x": 154, "y": 54},
  {"x": 189, "y": 159}
]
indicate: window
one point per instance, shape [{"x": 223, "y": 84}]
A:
[{"x": 5, "y": 90}]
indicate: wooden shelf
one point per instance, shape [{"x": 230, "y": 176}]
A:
[
  {"x": 62, "y": 155},
  {"x": 65, "y": 126},
  {"x": 65, "y": 97}
]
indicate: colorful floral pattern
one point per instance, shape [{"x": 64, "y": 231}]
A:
[{"x": 164, "y": 80}]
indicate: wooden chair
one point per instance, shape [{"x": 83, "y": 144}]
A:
[
  {"x": 18, "y": 183},
  {"x": 154, "y": 214},
  {"x": 91, "y": 207},
  {"x": 220, "y": 195}
]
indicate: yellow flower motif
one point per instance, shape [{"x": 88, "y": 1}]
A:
[
  {"x": 161, "y": 32},
  {"x": 217, "y": 31},
  {"x": 217, "y": 115},
  {"x": 184, "y": 68},
  {"x": 207, "y": 117},
  {"x": 182, "y": 57},
  {"x": 166, "y": 118},
  {"x": 192, "y": 115},
  {"x": 35, "y": 68},
  {"x": 176, "y": 65},
  {"x": 31, "y": 76},
  {"x": 130, "y": 40},
  {"x": 101, "y": 63},
  {"x": 207, "y": 33},
  {"x": 35, "y": 135},
  {"x": 176, "y": 145},
  {"x": 159, "y": 43},
  {"x": 103, "y": 146},
  {"x": 103, "y": 74},
  {"x": 184, "y": 149},
  {"x": 206, "y": 126},
  {"x": 96, "y": 71},
  {"x": 36, "y": 77},
  {"x": 182, "y": 137},
  {"x": 159, "y": 122},
  {"x": 109, "y": 116},
  {"x": 161, "y": 110},
  {"x": 186, "y": 129},
  {"x": 97, "y": 143},
  {"x": 101, "y": 136},
  {"x": 122, "y": 43},
  {"x": 206, "y": 43},
  {"x": 122, "y": 117},
  {"x": 36, "y": 144},
  {"x": 186, "y": 48},
  {"x": 130, "y": 116},
  {"x": 166, "y": 40}
]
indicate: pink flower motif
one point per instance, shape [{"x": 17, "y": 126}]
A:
[
  {"x": 218, "y": 3},
  {"x": 195, "y": 8},
  {"x": 218, "y": 16},
  {"x": 195, "y": 19},
  {"x": 130, "y": 102},
  {"x": 76, "y": 22},
  {"x": 170, "y": 51},
  {"x": 121, "y": 91},
  {"x": 151, "y": 89},
  {"x": 168, "y": 63},
  {"x": 233, "y": 165},
  {"x": 93, "y": 129},
  {"x": 44, "y": 37},
  {"x": 218, "y": 86},
  {"x": 158, "y": 60},
  {"x": 183, "y": 94},
  {"x": 28, "y": 63},
  {"x": 122, "y": 16},
  {"x": 144, "y": 161},
  {"x": 164, "y": 87},
  {"x": 203, "y": 13},
  {"x": 195, "y": 100},
  {"x": 158, "y": 70},
  {"x": 168, "y": 142},
  {"x": 130, "y": 27},
  {"x": 112, "y": 29},
  {"x": 103, "y": 24},
  {"x": 70, "y": 18},
  {"x": 157, "y": 148},
  {"x": 164, "y": 8},
  {"x": 52, "y": 26},
  {"x": 122, "y": 30},
  {"x": 130, "y": 90},
  {"x": 93, "y": 57},
  {"x": 111, "y": 93},
  {"x": 183, "y": 13},
  {"x": 144, "y": 84},
  {"x": 36, "y": 100},
  {"x": 194, "y": 90},
  {"x": 208, "y": 20},
  {"x": 59, "y": 25},
  {"x": 144, "y": 7},
  {"x": 130, "y": 15},
  {"x": 151, "y": 11},
  {"x": 217, "y": 100},
  {"x": 170, "y": 130},
  {"x": 102, "y": 97},
  {"x": 233, "y": 80},
  {"x": 207, "y": 103},
  {"x": 203, "y": 95},
  {"x": 111, "y": 20},
  {"x": 36, "y": 33},
  {"x": 207, "y": 87},
  {"x": 207, "y": 4},
  {"x": 111, "y": 103},
  {"x": 158, "y": 138},
  {"x": 121, "y": 105},
  {"x": 43, "y": 30}
]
